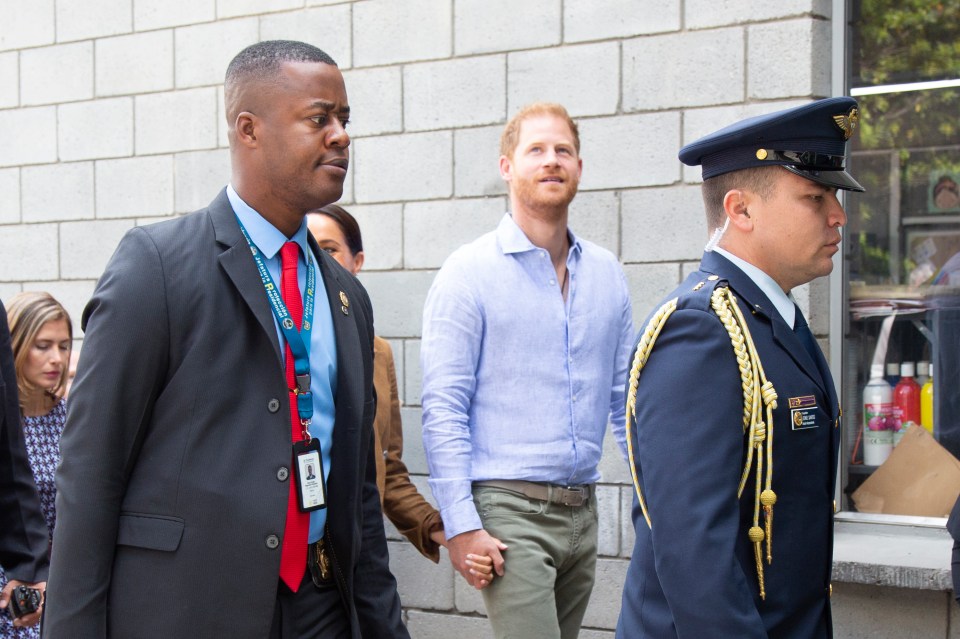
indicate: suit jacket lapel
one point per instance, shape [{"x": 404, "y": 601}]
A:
[
  {"x": 242, "y": 271},
  {"x": 240, "y": 267}
]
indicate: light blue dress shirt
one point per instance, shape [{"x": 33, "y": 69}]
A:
[
  {"x": 517, "y": 383},
  {"x": 323, "y": 342}
]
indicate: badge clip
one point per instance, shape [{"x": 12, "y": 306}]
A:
[{"x": 303, "y": 383}]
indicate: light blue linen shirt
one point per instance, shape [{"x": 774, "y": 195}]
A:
[
  {"x": 323, "y": 342},
  {"x": 517, "y": 383}
]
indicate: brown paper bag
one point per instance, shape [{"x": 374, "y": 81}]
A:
[{"x": 919, "y": 478}]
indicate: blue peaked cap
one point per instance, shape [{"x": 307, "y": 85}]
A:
[{"x": 809, "y": 140}]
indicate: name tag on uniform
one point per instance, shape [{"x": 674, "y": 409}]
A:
[
  {"x": 308, "y": 468},
  {"x": 803, "y": 412}
]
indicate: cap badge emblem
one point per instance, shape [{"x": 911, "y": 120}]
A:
[{"x": 848, "y": 122}]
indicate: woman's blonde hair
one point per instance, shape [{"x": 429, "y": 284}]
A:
[{"x": 27, "y": 312}]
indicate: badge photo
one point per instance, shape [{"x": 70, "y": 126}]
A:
[{"x": 308, "y": 474}]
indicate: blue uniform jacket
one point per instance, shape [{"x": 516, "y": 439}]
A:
[{"x": 693, "y": 574}]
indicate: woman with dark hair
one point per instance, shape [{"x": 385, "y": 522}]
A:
[
  {"x": 41, "y": 337},
  {"x": 338, "y": 233}
]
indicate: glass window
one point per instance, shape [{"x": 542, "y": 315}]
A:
[{"x": 902, "y": 259}]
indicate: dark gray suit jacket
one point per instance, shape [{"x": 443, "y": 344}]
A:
[
  {"x": 953, "y": 526},
  {"x": 24, "y": 539},
  {"x": 171, "y": 494}
]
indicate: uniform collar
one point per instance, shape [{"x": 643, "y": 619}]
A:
[
  {"x": 268, "y": 238},
  {"x": 780, "y": 300}
]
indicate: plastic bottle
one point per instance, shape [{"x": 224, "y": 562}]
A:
[
  {"x": 923, "y": 372},
  {"x": 877, "y": 418},
  {"x": 906, "y": 402},
  {"x": 926, "y": 403},
  {"x": 893, "y": 373}
]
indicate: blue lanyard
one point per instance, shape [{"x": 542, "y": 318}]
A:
[{"x": 297, "y": 341}]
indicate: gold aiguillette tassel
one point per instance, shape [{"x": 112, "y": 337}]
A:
[
  {"x": 768, "y": 498},
  {"x": 756, "y": 536}
]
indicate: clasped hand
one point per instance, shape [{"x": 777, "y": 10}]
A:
[{"x": 477, "y": 556}]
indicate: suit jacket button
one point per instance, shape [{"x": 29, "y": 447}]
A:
[
  {"x": 272, "y": 542},
  {"x": 282, "y": 473},
  {"x": 273, "y": 405}
]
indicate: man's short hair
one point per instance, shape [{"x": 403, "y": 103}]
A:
[
  {"x": 759, "y": 180},
  {"x": 263, "y": 60},
  {"x": 511, "y": 133}
]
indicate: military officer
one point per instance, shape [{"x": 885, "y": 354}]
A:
[{"x": 732, "y": 412}]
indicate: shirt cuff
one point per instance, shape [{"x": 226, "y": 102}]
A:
[{"x": 459, "y": 518}]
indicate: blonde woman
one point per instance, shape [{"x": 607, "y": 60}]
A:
[{"x": 41, "y": 337}]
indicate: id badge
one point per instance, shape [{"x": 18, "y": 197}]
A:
[{"x": 308, "y": 473}]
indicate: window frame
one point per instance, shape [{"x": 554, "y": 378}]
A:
[{"x": 838, "y": 313}]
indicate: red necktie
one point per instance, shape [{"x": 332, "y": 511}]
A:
[{"x": 293, "y": 556}]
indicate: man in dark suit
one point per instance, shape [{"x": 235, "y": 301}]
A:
[
  {"x": 183, "y": 507},
  {"x": 953, "y": 527},
  {"x": 735, "y": 415},
  {"x": 23, "y": 532}
]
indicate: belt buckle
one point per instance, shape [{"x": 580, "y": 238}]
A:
[
  {"x": 319, "y": 563},
  {"x": 574, "y": 496}
]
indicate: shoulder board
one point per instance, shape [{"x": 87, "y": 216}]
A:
[{"x": 695, "y": 292}]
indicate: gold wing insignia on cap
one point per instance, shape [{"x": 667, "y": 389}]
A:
[{"x": 848, "y": 122}]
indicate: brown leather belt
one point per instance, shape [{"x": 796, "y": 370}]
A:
[{"x": 574, "y": 496}]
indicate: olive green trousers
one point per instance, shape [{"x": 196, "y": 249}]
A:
[{"x": 549, "y": 564}]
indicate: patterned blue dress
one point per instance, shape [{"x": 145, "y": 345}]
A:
[{"x": 42, "y": 437}]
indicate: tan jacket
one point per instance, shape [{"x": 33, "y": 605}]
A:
[{"x": 401, "y": 502}]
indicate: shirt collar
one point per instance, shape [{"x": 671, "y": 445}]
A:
[
  {"x": 780, "y": 300},
  {"x": 265, "y": 235},
  {"x": 512, "y": 239}
]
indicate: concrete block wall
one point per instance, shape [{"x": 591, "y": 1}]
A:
[{"x": 112, "y": 116}]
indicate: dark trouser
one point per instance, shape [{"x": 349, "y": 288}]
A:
[{"x": 313, "y": 612}]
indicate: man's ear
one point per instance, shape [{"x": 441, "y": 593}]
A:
[
  {"x": 245, "y": 128},
  {"x": 736, "y": 207},
  {"x": 506, "y": 168}
]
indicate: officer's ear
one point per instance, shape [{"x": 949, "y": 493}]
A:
[{"x": 737, "y": 209}]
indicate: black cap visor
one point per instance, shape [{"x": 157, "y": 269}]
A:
[{"x": 836, "y": 178}]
